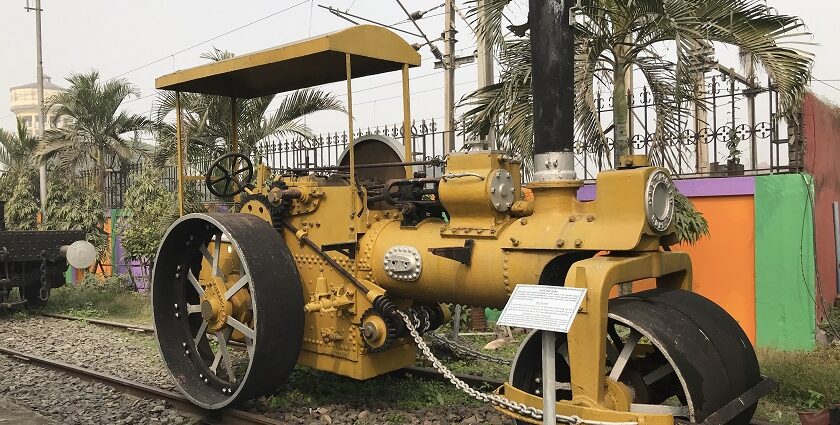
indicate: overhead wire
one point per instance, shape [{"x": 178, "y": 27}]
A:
[
  {"x": 286, "y": 9},
  {"x": 823, "y": 81}
]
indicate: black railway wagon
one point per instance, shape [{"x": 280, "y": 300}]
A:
[{"x": 33, "y": 261}]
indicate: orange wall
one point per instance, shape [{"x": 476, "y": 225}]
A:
[{"x": 724, "y": 262}]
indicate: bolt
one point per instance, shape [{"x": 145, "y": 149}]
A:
[
  {"x": 560, "y": 243},
  {"x": 571, "y": 219},
  {"x": 201, "y": 375},
  {"x": 578, "y": 243},
  {"x": 184, "y": 344},
  {"x": 206, "y": 381},
  {"x": 590, "y": 218},
  {"x": 177, "y": 275},
  {"x": 178, "y": 267},
  {"x": 523, "y": 221},
  {"x": 514, "y": 241},
  {"x": 537, "y": 380},
  {"x": 186, "y": 353},
  {"x": 176, "y": 306},
  {"x": 498, "y": 205},
  {"x": 177, "y": 315},
  {"x": 512, "y": 190}
]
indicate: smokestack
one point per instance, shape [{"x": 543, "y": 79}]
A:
[{"x": 553, "y": 85}]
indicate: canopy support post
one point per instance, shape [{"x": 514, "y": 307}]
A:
[
  {"x": 407, "y": 136},
  {"x": 179, "y": 146},
  {"x": 351, "y": 139},
  {"x": 234, "y": 127}
]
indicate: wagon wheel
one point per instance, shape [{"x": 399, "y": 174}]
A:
[
  {"x": 229, "y": 175},
  {"x": 221, "y": 278},
  {"x": 680, "y": 353}
]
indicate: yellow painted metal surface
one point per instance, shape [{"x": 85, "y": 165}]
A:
[
  {"x": 511, "y": 245},
  {"x": 567, "y": 408},
  {"x": 310, "y": 62}
]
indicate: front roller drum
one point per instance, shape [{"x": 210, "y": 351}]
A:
[
  {"x": 679, "y": 353},
  {"x": 219, "y": 280}
]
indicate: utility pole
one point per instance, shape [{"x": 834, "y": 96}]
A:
[
  {"x": 485, "y": 65},
  {"x": 449, "y": 77},
  {"x": 42, "y": 166}
]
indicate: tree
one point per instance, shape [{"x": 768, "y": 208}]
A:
[
  {"x": 95, "y": 134},
  {"x": 207, "y": 119},
  {"x": 21, "y": 212},
  {"x": 149, "y": 210},
  {"x": 613, "y": 37},
  {"x": 16, "y": 149},
  {"x": 71, "y": 206}
]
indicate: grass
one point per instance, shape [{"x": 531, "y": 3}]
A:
[
  {"x": 309, "y": 387},
  {"x": 807, "y": 381},
  {"x": 111, "y": 298}
]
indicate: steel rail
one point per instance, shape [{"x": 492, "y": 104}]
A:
[
  {"x": 224, "y": 416},
  {"x": 419, "y": 371},
  {"x": 126, "y": 326}
]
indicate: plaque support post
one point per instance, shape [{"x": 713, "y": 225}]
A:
[{"x": 549, "y": 351}]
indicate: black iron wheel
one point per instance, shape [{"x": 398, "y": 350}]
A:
[
  {"x": 224, "y": 277},
  {"x": 680, "y": 353},
  {"x": 229, "y": 175}
]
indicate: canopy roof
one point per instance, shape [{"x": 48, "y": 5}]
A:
[{"x": 310, "y": 62}]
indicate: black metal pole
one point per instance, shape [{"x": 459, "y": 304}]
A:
[{"x": 553, "y": 75}]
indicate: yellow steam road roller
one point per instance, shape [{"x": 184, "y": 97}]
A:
[{"x": 344, "y": 268}]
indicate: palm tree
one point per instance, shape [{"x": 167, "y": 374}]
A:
[
  {"x": 16, "y": 150},
  {"x": 96, "y": 130},
  {"x": 614, "y": 37},
  {"x": 206, "y": 119}
]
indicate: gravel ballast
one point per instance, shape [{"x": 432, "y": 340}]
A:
[{"x": 134, "y": 356}]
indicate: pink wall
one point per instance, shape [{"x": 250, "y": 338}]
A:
[{"x": 821, "y": 131}]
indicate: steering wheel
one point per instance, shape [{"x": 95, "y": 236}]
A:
[{"x": 229, "y": 175}]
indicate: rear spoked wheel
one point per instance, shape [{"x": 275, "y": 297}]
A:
[
  {"x": 228, "y": 307},
  {"x": 678, "y": 352}
]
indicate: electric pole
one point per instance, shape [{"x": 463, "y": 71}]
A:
[
  {"x": 485, "y": 65},
  {"x": 449, "y": 77},
  {"x": 42, "y": 166}
]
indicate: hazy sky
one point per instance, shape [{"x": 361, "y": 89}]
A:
[{"x": 116, "y": 38}]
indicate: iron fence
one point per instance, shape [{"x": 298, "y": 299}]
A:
[{"x": 736, "y": 129}]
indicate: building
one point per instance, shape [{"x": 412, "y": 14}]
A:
[{"x": 24, "y": 102}]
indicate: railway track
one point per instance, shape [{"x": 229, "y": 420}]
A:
[
  {"x": 418, "y": 371},
  {"x": 178, "y": 401}
]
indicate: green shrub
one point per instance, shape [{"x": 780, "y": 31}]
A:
[{"x": 21, "y": 211}]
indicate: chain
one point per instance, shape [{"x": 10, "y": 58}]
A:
[
  {"x": 495, "y": 399},
  {"x": 44, "y": 292},
  {"x": 463, "y": 350}
]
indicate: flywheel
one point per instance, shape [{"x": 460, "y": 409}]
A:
[
  {"x": 221, "y": 278},
  {"x": 678, "y": 352}
]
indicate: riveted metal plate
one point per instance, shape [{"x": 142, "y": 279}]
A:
[
  {"x": 403, "y": 262},
  {"x": 501, "y": 190}
]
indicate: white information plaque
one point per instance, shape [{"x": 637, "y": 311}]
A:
[{"x": 547, "y": 308}]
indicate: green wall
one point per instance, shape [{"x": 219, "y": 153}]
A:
[{"x": 784, "y": 262}]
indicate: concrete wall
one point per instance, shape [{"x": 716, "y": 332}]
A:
[
  {"x": 784, "y": 267},
  {"x": 758, "y": 262},
  {"x": 821, "y": 130}
]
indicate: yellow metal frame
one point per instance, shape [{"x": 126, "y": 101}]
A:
[{"x": 377, "y": 50}]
